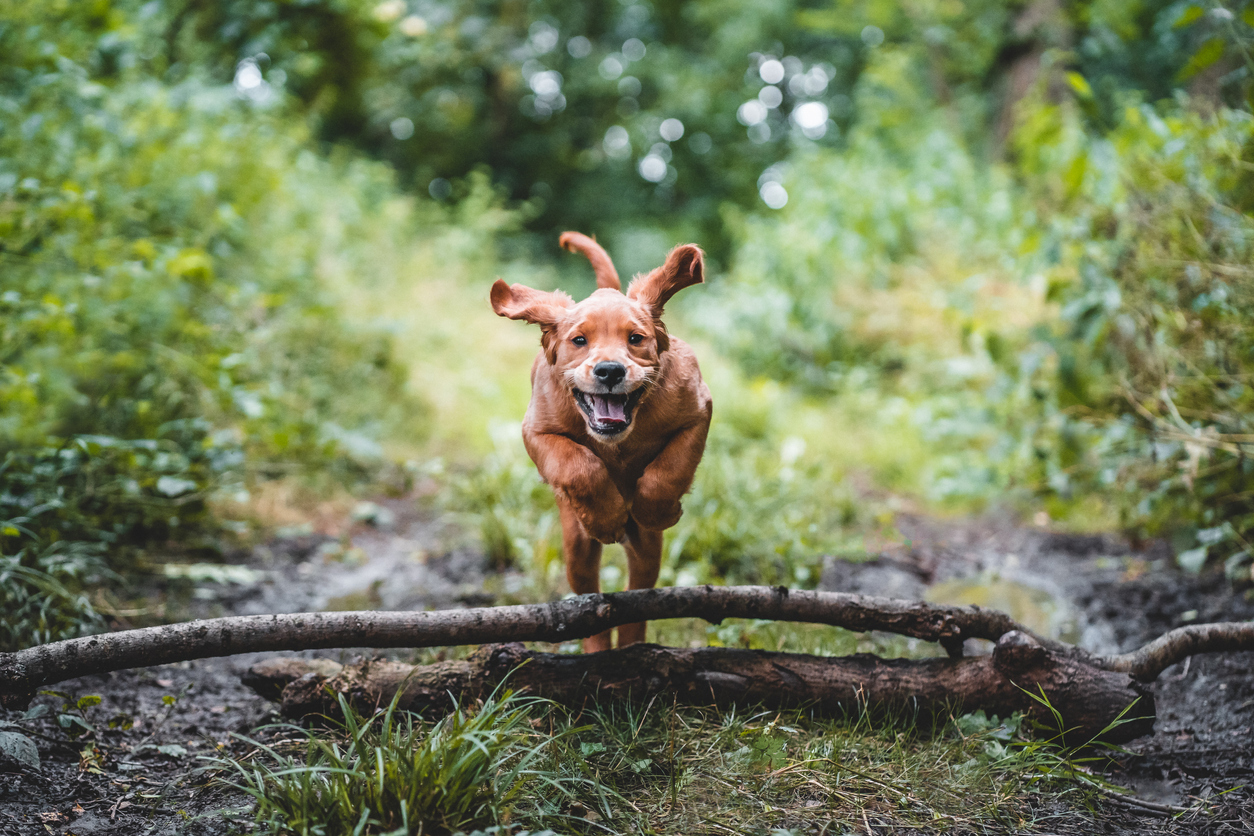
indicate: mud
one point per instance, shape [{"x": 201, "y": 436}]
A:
[
  {"x": 144, "y": 766},
  {"x": 1099, "y": 592}
]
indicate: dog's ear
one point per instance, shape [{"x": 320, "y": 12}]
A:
[
  {"x": 539, "y": 307},
  {"x": 684, "y": 267}
]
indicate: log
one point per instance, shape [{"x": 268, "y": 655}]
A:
[
  {"x": 24, "y": 671},
  {"x": 1090, "y": 700},
  {"x": 1078, "y": 683}
]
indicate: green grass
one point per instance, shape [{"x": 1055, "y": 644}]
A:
[
  {"x": 658, "y": 769},
  {"x": 390, "y": 773}
]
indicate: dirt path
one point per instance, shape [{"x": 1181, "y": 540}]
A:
[
  {"x": 136, "y": 772},
  {"x": 1095, "y": 591}
]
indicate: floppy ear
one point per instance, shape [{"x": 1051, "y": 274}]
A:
[
  {"x": 538, "y": 307},
  {"x": 685, "y": 266},
  {"x": 602, "y": 266}
]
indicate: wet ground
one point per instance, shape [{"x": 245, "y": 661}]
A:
[
  {"x": 133, "y": 763},
  {"x": 1096, "y": 591}
]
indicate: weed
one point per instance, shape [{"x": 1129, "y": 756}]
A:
[{"x": 391, "y": 773}]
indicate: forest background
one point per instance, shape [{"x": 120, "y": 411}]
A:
[{"x": 960, "y": 253}]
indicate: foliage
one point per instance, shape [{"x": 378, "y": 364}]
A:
[
  {"x": 167, "y": 330},
  {"x": 1153, "y": 350},
  {"x": 1074, "y": 324},
  {"x": 391, "y": 773},
  {"x": 565, "y": 103}
]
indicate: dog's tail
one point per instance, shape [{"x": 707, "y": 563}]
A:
[{"x": 577, "y": 242}]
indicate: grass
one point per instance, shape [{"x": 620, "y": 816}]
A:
[
  {"x": 657, "y": 769},
  {"x": 390, "y": 773}
]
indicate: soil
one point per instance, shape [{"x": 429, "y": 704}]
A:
[{"x": 143, "y": 767}]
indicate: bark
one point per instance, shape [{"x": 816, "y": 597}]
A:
[
  {"x": 1088, "y": 690},
  {"x": 1163, "y": 652},
  {"x": 24, "y": 671},
  {"x": 1090, "y": 700}
]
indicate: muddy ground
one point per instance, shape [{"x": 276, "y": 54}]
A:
[{"x": 139, "y": 769}]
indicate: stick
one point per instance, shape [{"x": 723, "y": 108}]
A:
[
  {"x": 575, "y": 618},
  {"x": 1181, "y": 643}
]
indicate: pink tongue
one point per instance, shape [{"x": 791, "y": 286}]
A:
[{"x": 609, "y": 409}]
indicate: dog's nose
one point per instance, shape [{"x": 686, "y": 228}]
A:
[{"x": 609, "y": 374}]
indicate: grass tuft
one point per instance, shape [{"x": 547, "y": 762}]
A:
[{"x": 391, "y": 773}]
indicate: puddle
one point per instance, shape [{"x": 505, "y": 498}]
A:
[{"x": 1034, "y": 608}]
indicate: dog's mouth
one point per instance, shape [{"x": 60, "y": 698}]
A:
[{"x": 608, "y": 413}]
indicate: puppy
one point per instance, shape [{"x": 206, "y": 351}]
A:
[{"x": 618, "y": 415}]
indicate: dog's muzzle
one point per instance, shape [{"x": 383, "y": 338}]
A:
[{"x": 608, "y": 413}]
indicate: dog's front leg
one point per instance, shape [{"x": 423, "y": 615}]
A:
[
  {"x": 668, "y": 477},
  {"x": 583, "y": 565},
  {"x": 580, "y": 479}
]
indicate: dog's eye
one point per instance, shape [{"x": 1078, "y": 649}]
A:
[
  {"x": 580, "y": 341},
  {"x": 636, "y": 339}
]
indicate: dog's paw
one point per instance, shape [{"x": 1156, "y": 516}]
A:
[
  {"x": 605, "y": 534},
  {"x": 656, "y": 516},
  {"x": 602, "y": 527}
]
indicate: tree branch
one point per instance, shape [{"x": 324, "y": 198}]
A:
[
  {"x": 575, "y": 618},
  {"x": 24, "y": 671},
  {"x": 1148, "y": 662}
]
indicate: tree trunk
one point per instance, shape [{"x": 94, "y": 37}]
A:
[{"x": 1017, "y": 677}]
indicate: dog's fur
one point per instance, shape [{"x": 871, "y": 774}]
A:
[{"x": 618, "y": 453}]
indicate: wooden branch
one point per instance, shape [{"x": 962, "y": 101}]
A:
[
  {"x": 1089, "y": 699},
  {"x": 24, "y": 671},
  {"x": 1163, "y": 652}
]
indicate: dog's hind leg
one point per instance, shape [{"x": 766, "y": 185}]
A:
[
  {"x": 583, "y": 566},
  {"x": 644, "y": 560}
]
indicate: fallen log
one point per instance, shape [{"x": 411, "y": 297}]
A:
[
  {"x": 1070, "y": 669},
  {"x": 1017, "y": 675}
]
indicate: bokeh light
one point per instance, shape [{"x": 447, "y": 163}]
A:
[
  {"x": 402, "y": 127},
  {"x": 611, "y": 67},
  {"x": 773, "y": 195},
  {"x": 617, "y": 143},
  {"x": 771, "y": 71},
  {"x": 751, "y": 113},
  {"x": 671, "y": 129}
]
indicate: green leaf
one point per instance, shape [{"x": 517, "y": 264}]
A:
[
  {"x": 1080, "y": 85},
  {"x": 1188, "y": 16},
  {"x": 586, "y": 749},
  {"x": 1206, "y": 55},
  {"x": 88, "y": 701}
]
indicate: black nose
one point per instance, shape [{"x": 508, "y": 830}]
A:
[{"x": 610, "y": 374}]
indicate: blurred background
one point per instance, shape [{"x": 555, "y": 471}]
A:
[{"x": 965, "y": 256}]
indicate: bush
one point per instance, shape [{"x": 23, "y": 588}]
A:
[
  {"x": 168, "y": 329},
  {"x": 1150, "y": 359}
]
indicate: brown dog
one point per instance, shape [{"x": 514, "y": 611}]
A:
[{"x": 618, "y": 414}]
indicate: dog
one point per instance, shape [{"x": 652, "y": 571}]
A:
[{"x": 618, "y": 416}]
